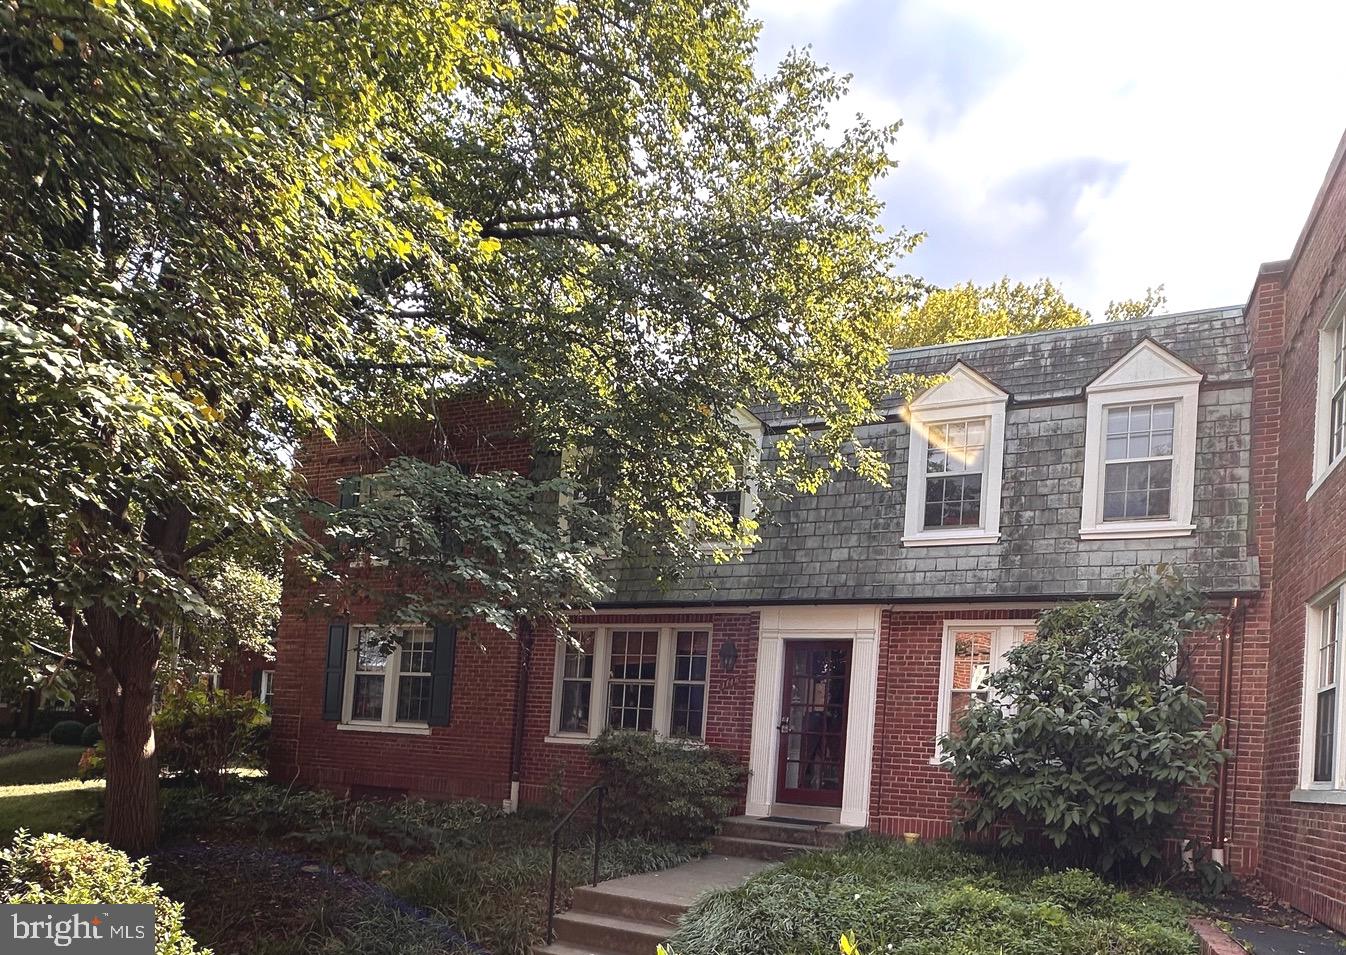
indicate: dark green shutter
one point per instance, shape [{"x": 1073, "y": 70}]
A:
[
  {"x": 334, "y": 680},
  {"x": 256, "y": 684},
  {"x": 350, "y": 491},
  {"x": 441, "y": 674}
]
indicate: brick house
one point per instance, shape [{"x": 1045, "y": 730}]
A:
[{"x": 1044, "y": 468}]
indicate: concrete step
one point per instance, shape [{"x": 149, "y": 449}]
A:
[
  {"x": 769, "y": 850},
  {"x": 609, "y": 933},
  {"x": 561, "y": 948},
  {"x": 823, "y": 835},
  {"x": 628, "y": 906}
]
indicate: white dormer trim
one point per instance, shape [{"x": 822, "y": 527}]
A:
[
  {"x": 1148, "y": 373},
  {"x": 964, "y": 394},
  {"x": 752, "y": 426}
]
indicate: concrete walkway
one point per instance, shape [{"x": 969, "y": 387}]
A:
[{"x": 682, "y": 885}]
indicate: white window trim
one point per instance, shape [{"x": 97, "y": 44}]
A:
[
  {"x": 268, "y": 687},
  {"x": 1004, "y": 639},
  {"x": 1180, "y": 385},
  {"x": 1314, "y": 612},
  {"x": 598, "y": 687},
  {"x": 750, "y": 501},
  {"x": 392, "y": 670},
  {"x": 1323, "y": 467},
  {"x": 932, "y": 408}
]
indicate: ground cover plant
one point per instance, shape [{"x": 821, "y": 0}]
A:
[
  {"x": 262, "y": 868},
  {"x": 940, "y": 899}
]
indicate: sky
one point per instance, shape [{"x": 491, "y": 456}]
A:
[{"x": 1110, "y": 147}]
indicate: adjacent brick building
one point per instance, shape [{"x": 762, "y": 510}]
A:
[{"x": 1044, "y": 468}]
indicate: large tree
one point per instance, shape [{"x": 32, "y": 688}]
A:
[{"x": 228, "y": 228}]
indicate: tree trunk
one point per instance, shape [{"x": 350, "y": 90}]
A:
[{"x": 124, "y": 668}]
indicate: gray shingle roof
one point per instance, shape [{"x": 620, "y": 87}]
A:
[{"x": 845, "y": 543}]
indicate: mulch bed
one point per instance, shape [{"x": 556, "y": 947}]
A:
[{"x": 238, "y": 897}]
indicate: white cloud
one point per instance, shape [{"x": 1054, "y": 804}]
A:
[{"x": 1206, "y": 129}]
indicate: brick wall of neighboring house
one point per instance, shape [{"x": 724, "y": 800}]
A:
[
  {"x": 240, "y": 674},
  {"x": 468, "y": 757},
  {"x": 1304, "y": 855}
]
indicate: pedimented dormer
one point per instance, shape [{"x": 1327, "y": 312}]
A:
[
  {"x": 1140, "y": 447},
  {"x": 955, "y": 461}
]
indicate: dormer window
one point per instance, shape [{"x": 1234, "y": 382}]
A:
[
  {"x": 954, "y": 461},
  {"x": 1140, "y": 447},
  {"x": 1138, "y": 475},
  {"x": 740, "y": 501}
]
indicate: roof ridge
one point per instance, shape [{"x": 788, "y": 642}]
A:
[{"x": 1220, "y": 311}]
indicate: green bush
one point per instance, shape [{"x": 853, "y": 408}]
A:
[
  {"x": 665, "y": 790},
  {"x": 55, "y": 869},
  {"x": 201, "y": 733},
  {"x": 941, "y": 899},
  {"x": 92, "y": 734},
  {"x": 67, "y": 733},
  {"x": 1096, "y": 735}
]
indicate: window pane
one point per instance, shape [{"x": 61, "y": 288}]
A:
[
  {"x": 1137, "y": 490},
  {"x": 416, "y": 655},
  {"x": 691, "y": 650},
  {"x": 575, "y": 706},
  {"x": 367, "y": 703},
  {"x": 1325, "y": 737},
  {"x": 413, "y": 698},
  {"x": 631, "y": 679},
  {"x": 371, "y": 655},
  {"x": 731, "y": 502},
  {"x": 971, "y": 659},
  {"x": 953, "y": 501}
]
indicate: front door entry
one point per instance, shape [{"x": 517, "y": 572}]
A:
[{"x": 812, "y": 758}]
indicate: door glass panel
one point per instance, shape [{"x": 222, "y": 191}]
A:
[{"x": 814, "y": 726}]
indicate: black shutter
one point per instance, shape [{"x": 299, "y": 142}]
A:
[
  {"x": 441, "y": 674},
  {"x": 350, "y": 491},
  {"x": 256, "y": 684},
  {"x": 334, "y": 680}
]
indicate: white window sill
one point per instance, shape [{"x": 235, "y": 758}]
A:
[
  {"x": 1328, "y": 797},
  {"x": 948, "y": 540},
  {"x": 406, "y": 729},
  {"x": 568, "y": 740},
  {"x": 1135, "y": 529},
  {"x": 1322, "y": 478}
]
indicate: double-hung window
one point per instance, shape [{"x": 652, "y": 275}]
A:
[
  {"x": 649, "y": 679},
  {"x": 1138, "y": 468},
  {"x": 972, "y": 652},
  {"x": 1323, "y": 753},
  {"x": 266, "y": 687},
  {"x": 954, "y": 462},
  {"x": 1330, "y": 442},
  {"x": 1140, "y": 444},
  {"x": 388, "y": 679}
]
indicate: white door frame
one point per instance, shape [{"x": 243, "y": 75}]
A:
[{"x": 858, "y": 624}]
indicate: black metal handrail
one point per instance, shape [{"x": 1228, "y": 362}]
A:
[{"x": 600, "y": 790}]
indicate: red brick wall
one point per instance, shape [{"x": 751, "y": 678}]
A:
[
  {"x": 470, "y": 756},
  {"x": 1304, "y": 846}
]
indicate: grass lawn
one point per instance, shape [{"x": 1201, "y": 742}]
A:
[
  {"x": 937, "y": 899},
  {"x": 40, "y": 792}
]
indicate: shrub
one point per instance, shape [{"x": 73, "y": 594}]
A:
[
  {"x": 67, "y": 733},
  {"x": 662, "y": 790},
  {"x": 55, "y": 869},
  {"x": 92, "y": 734},
  {"x": 202, "y": 733},
  {"x": 1097, "y": 734}
]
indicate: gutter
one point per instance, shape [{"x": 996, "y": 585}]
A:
[
  {"x": 525, "y": 640},
  {"x": 1219, "y": 836}
]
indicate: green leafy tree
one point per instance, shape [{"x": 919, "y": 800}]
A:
[
  {"x": 969, "y": 311},
  {"x": 241, "y": 599},
  {"x": 229, "y": 228},
  {"x": 1093, "y": 733}
]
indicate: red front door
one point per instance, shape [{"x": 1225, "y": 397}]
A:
[{"x": 812, "y": 759}]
